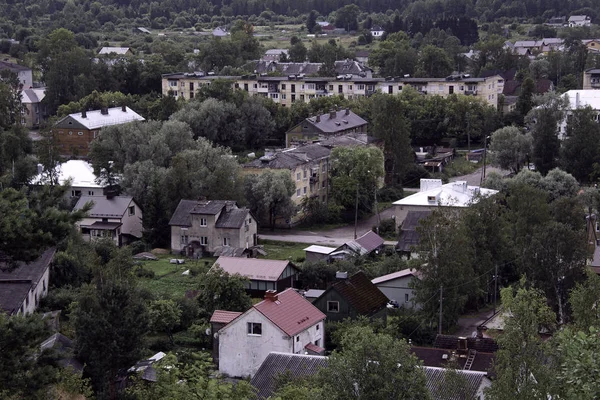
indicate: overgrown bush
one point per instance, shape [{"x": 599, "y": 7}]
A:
[
  {"x": 142, "y": 272},
  {"x": 390, "y": 193}
]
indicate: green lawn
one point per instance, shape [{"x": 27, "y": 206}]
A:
[
  {"x": 284, "y": 250},
  {"x": 168, "y": 281}
]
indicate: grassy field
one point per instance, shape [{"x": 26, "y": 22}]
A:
[
  {"x": 168, "y": 281},
  {"x": 284, "y": 250}
]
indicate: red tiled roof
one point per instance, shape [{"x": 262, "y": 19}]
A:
[
  {"x": 224, "y": 317},
  {"x": 291, "y": 312},
  {"x": 314, "y": 348}
]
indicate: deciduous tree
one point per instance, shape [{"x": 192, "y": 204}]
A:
[
  {"x": 269, "y": 195},
  {"x": 510, "y": 148}
]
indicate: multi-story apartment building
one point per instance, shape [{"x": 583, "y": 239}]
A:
[
  {"x": 286, "y": 90},
  {"x": 591, "y": 79}
]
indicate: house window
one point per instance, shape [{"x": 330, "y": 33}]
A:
[
  {"x": 191, "y": 95},
  {"x": 323, "y": 184},
  {"x": 318, "y": 342},
  {"x": 297, "y": 339},
  {"x": 132, "y": 210},
  {"x": 173, "y": 83},
  {"x": 406, "y": 297},
  {"x": 333, "y": 306},
  {"x": 254, "y": 328},
  {"x": 226, "y": 241},
  {"x": 298, "y": 192},
  {"x": 75, "y": 193},
  {"x": 283, "y": 86},
  {"x": 184, "y": 239},
  {"x": 298, "y": 176},
  {"x": 304, "y": 190},
  {"x": 203, "y": 222},
  {"x": 304, "y": 174},
  {"x": 330, "y": 87},
  {"x": 317, "y": 326},
  {"x": 204, "y": 240},
  {"x": 70, "y": 133},
  {"x": 324, "y": 168},
  {"x": 283, "y": 96},
  {"x": 431, "y": 198},
  {"x": 361, "y": 87},
  {"x": 249, "y": 220},
  {"x": 80, "y": 133},
  {"x": 349, "y": 87},
  {"x": 90, "y": 193}
]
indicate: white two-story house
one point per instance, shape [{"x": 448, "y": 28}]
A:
[
  {"x": 284, "y": 322},
  {"x": 118, "y": 218}
]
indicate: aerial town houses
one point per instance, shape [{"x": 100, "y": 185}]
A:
[{"x": 286, "y": 90}]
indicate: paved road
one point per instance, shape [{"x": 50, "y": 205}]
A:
[
  {"x": 334, "y": 237},
  {"x": 474, "y": 179},
  {"x": 339, "y": 236}
]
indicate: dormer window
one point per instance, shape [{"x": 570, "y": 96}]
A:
[{"x": 431, "y": 199}]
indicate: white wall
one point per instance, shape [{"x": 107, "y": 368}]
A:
[
  {"x": 35, "y": 294},
  {"x": 241, "y": 354},
  {"x": 397, "y": 289},
  {"x": 132, "y": 224}
]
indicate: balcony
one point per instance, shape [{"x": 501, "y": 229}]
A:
[
  {"x": 471, "y": 92},
  {"x": 314, "y": 178}
]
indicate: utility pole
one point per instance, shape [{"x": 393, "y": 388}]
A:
[
  {"x": 484, "y": 159},
  {"x": 356, "y": 212},
  {"x": 495, "y": 287},
  {"x": 441, "y": 297},
  {"x": 377, "y": 211}
]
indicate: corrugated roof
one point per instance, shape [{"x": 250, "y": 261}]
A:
[
  {"x": 276, "y": 364},
  {"x": 253, "y": 268},
  {"x": 95, "y": 119},
  {"x": 360, "y": 293},
  {"x": 319, "y": 249},
  {"x": 12, "y": 295},
  {"x": 396, "y": 275},
  {"x": 116, "y": 50},
  {"x": 413, "y": 218},
  {"x": 407, "y": 241},
  {"x": 441, "y": 385},
  {"x": 291, "y": 312},
  {"x": 224, "y": 317},
  {"x": 31, "y": 96},
  {"x": 105, "y": 207}
]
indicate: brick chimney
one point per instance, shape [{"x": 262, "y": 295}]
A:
[
  {"x": 104, "y": 111},
  {"x": 347, "y": 111},
  {"x": 124, "y": 108},
  {"x": 83, "y": 114},
  {"x": 318, "y": 118},
  {"x": 271, "y": 295},
  {"x": 332, "y": 114}
]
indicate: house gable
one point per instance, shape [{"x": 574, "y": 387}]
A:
[{"x": 69, "y": 122}]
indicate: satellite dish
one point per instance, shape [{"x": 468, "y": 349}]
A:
[
  {"x": 216, "y": 335},
  {"x": 207, "y": 332}
]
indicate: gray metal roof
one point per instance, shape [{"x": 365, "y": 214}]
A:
[
  {"x": 413, "y": 218},
  {"x": 276, "y": 364},
  {"x": 232, "y": 219},
  {"x": 291, "y": 158},
  {"x": 336, "y": 121},
  {"x": 13, "y": 67},
  {"x": 104, "y": 207},
  {"x": 183, "y": 213},
  {"x": 16, "y": 283},
  {"x": 442, "y": 385}
]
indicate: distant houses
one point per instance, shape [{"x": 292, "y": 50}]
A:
[{"x": 333, "y": 123}]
